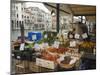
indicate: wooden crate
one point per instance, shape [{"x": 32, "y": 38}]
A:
[
  {"x": 45, "y": 63},
  {"x": 21, "y": 66},
  {"x": 33, "y": 67},
  {"x": 37, "y": 69}
]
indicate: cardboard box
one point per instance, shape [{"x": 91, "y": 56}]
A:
[{"x": 45, "y": 63}]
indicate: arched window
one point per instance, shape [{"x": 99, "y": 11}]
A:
[
  {"x": 17, "y": 15},
  {"x": 17, "y": 23},
  {"x": 12, "y": 23}
]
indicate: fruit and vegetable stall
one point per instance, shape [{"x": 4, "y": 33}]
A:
[{"x": 50, "y": 52}]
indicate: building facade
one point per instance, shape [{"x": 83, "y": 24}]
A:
[
  {"x": 17, "y": 15},
  {"x": 32, "y": 18}
]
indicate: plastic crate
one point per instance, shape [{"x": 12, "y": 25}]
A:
[{"x": 34, "y": 36}]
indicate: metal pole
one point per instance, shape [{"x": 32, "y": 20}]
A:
[
  {"x": 22, "y": 32},
  {"x": 57, "y": 17}
]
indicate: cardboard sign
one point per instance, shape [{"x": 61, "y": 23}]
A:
[
  {"x": 18, "y": 57},
  {"x": 71, "y": 36},
  {"x": 84, "y": 36},
  {"x": 77, "y": 36},
  {"x": 37, "y": 47},
  {"x": 56, "y": 44},
  {"x": 72, "y": 43},
  {"x": 22, "y": 46},
  {"x": 45, "y": 45},
  {"x": 45, "y": 36},
  {"x": 45, "y": 63},
  {"x": 72, "y": 61},
  {"x": 34, "y": 37},
  {"x": 61, "y": 58}
]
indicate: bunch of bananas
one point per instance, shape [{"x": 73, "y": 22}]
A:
[{"x": 87, "y": 44}]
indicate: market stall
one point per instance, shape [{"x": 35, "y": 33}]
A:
[
  {"x": 47, "y": 56},
  {"x": 71, "y": 46}
]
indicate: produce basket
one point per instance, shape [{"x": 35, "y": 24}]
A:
[
  {"x": 66, "y": 66},
  {"x": 87, "y": 47},
  {"x": 86, "y": 50},
  {"x": 67, "y": 63}
]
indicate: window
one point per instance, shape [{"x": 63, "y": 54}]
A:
[
  {"x": 80, "y": 18},
  {"x": 25, "y": 21},
  {"x": 77, "y": 19},
  {"x": 14, "y": 15},
  {"x": 16, "y": 8},
  {"x": 36, "y": 25},
  {"x": 22, "y": 16},
  {"x": 22, "y": 23},
  {"x": 12, "y": 22},
  {"x": 28, "y": 21},
  {"x": 17, "y": 15},
  {"x": 28, "y": 17},
  {"x": 17, "y": 23},
  {"x": 22, "y": 9}
]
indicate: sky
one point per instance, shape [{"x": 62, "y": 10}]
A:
[{"x": 39, "y": 5}]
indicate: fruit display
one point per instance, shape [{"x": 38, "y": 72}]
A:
[
  {"x": 60, "y": 50},
  {"x": 87, "y": 44},
  {"x": 87, "y": 47},
  {"x": 52, "y": 57},
  {"x": 51, "y": 49}
]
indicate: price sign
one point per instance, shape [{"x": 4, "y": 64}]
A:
[
  {"x": 22, "y": 46},
  {"x": 71, "y": 36},
  {"x": 18, "y": 57},
  {"x": 56, "y": 44},
  {"x": 37, "y": 47},
  {"x": 44, "y": 45},
  {"x": 84, "y": 36},
  {"x": 72, "y": 43},
  {"x": 77, "y": 36},
  {"x": 72, "y": 61},
  {"x": 34, "y": 37},
  {"x": 45, "y": 36}
]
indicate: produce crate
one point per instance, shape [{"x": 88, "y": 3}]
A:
[
  {"x": 66, "y": 66},
  {"x": 21, "y": 66},
  {"x": 34, "y": 67},
  {"x": 45, "y": 63}
]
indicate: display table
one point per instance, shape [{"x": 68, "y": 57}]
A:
[
  {"x": 25, "y": 65},
  {"x": 22, "y": 66}
]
